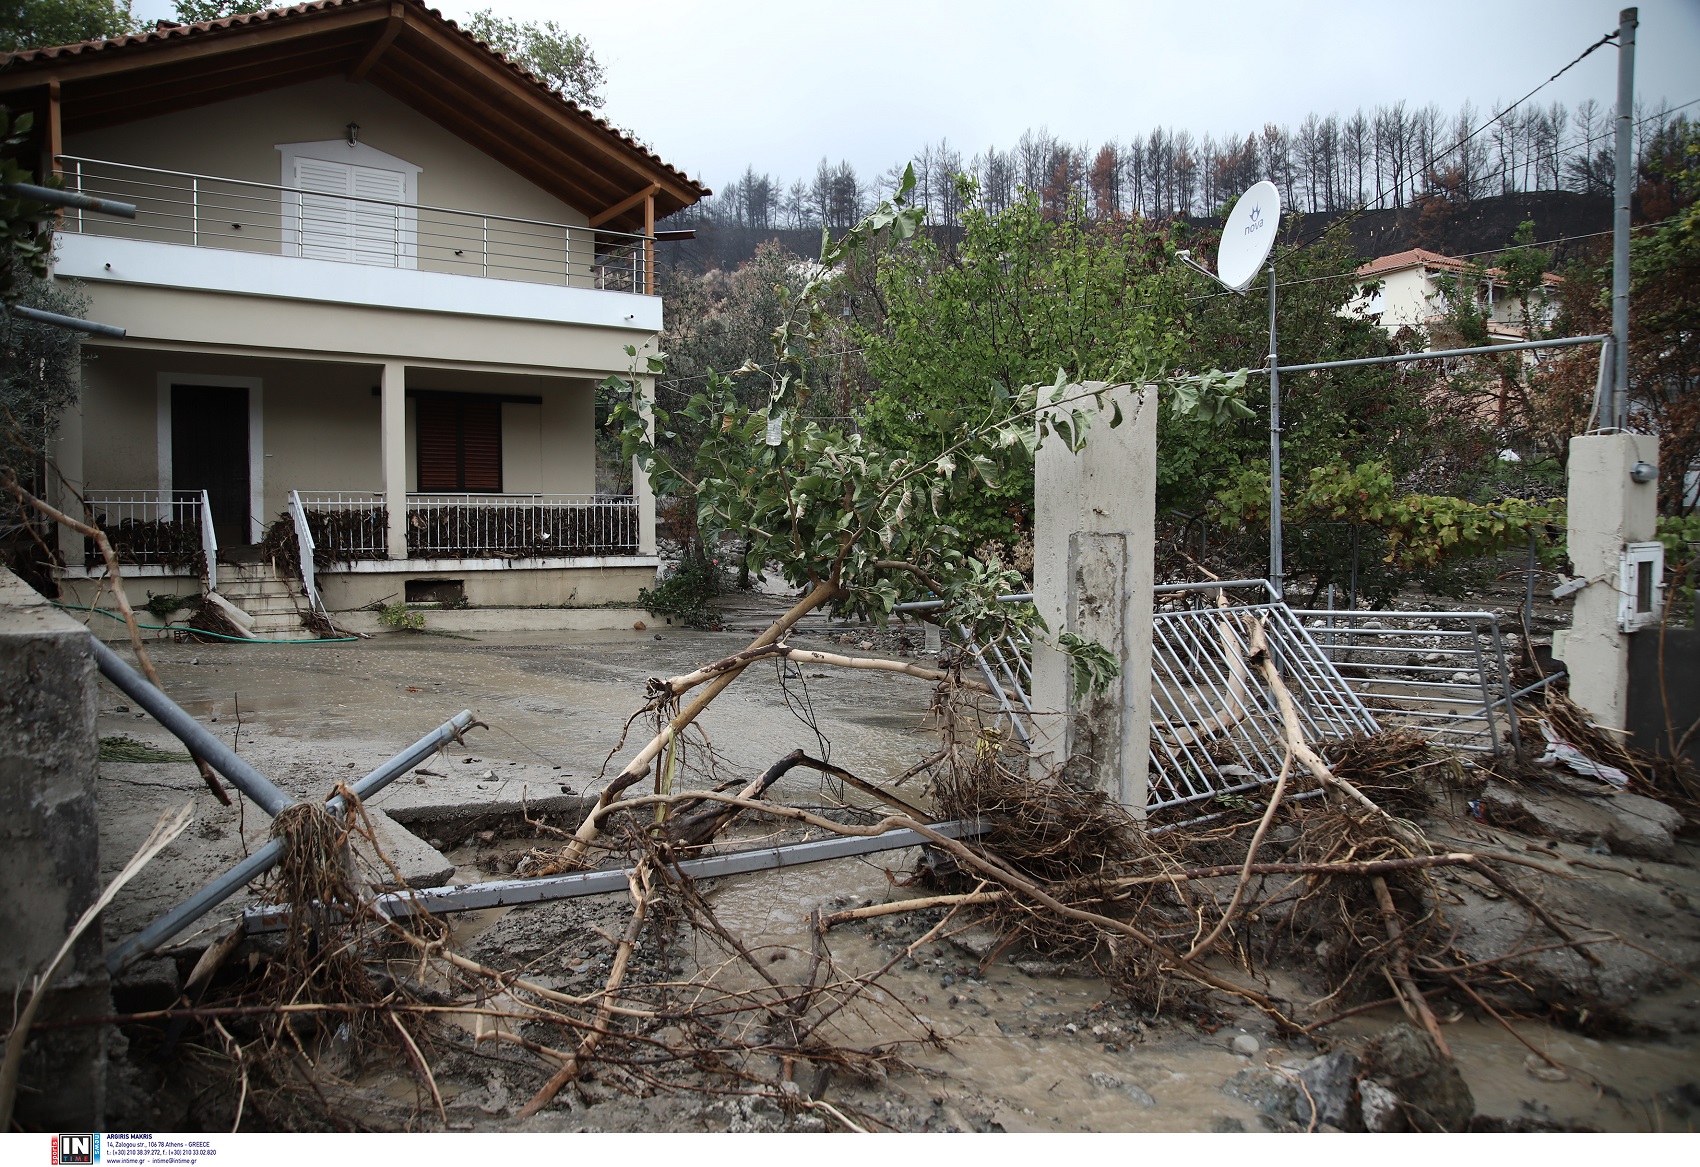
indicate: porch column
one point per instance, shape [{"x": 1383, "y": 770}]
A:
[
  {"x": 649, "y": 244},
  {"x": 640, "y": 484},
  {"x": 393, "y": 388}
]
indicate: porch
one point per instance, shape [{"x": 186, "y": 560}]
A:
[{"x": 475, "y": 487}]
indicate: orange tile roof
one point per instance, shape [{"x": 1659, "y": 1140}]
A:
[
  {"x": 1421, "y": 257},
  {"x": 166, "y": 31}
]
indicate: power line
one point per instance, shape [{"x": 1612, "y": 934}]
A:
[{"x": 1466, "y": 140}]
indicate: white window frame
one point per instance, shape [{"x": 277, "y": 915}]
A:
[{"x": 358, "y": 154}]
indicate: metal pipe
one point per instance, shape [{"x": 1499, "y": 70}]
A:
[
  {"x": 1623, "y": 191},
  {"x": 507, "y": 892},
  {"x": 264, "y": 859},
  {"x": 70, "y": 198},
  {"x": 1209, "y": 585},
  {"x": 1479, "y": 350},
  {"x": 75, "y": 323},
  {"x": 1275, "y": 567},
  {"x": 260, "y": 789}
]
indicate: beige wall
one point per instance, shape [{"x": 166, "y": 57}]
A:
[
  {"x": 239, "y": 139},
  {"x": 549, "y": 448},
  {"x": 330, "y": 330},
  {"x": 517, "y": 588},
  {"x": 321, "y": 422}
]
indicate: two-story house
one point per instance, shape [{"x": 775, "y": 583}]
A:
[
  {"x": 1409, "y": 290},
  {"x": 376, "y": 274}
]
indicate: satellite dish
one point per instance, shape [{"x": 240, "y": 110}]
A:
[{"x": 1248, "y": 236}]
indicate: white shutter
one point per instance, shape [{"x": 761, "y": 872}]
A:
[
  {"x": 326, "y": 223},
  {"x": 352, "y": 232},
  {"x": 378, "y": 228}
]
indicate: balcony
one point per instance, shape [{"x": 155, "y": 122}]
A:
[{"x": 202, "y": 232}]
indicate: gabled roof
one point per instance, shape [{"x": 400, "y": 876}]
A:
[
  {"x": 400, "y": 46},
  {"x": 1419, "y": 257},
  {"x": 1416, "y": 257}
]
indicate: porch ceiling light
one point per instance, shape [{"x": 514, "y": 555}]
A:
[{"x": 353, "y": 134}]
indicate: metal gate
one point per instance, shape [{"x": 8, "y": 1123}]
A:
[
  {"x": 1444, "y": 673},
  {"x": 1215, "y": 727}
]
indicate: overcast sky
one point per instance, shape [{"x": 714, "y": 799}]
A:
[{"x": 779, "y": 83}]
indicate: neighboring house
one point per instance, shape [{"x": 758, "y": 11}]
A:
[
  {"x": 1409, "y": 291},
  {"x": 376, "y": 276}
]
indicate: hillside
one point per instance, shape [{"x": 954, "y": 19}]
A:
[{"x": 1560, "y": 217}]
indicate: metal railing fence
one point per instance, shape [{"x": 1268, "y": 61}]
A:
[
  {"x": 520, "y": 526},
  {"x": 306, "y": 548},
  {"x": 1444, "y": 673},
  {"x": 166, "y": 528},
  {"x": 1216, "y": 728},
  {"x": 199, "y": 210},
  {"x": 345, "y": 525}
]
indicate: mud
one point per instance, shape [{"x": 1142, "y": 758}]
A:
[{"x": 1032, "y": 1045}]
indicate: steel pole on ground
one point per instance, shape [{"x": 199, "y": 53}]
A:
[
  {"x": 264, "y": 859},
  {"x": 190, "y": 732},
  {"x": 1623, "y": 189},
  {"x": 1275, "y": 569}
]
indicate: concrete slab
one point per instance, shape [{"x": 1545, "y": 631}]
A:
[{"x": 417, "y": 862}]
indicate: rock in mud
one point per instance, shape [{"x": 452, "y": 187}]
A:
[
  {"x": 1642, "y": 826},
  {"x": 1111, "y": 1083},
  {"x": 1431, "y": 1094},
  {"x": 1330, "y": 1083},
  {"x": 1379, "y": 1107}
]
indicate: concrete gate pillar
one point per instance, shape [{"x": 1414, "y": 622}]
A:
[
  {"x": 50, "y": 854},
  {"x": 1607, "y": 510},
  {"x": 1093, "y": 529}
]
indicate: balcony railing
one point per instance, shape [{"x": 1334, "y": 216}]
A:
[
  {"x": 348, "y": 526},
  {"x": 198, "y": 210},
  {"x": 155, "y": 528},
  {"x": 345, "y": 525},
  {"x": 520, "y": 526}
]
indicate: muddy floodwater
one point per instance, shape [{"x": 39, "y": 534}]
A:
[{"x": 1029, "y": 1047}]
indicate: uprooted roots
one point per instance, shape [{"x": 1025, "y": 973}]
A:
[{"x": 1178, "y": 919}]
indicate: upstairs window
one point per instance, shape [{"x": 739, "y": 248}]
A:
[
  {"x": 351, "y": 204},
  {"x": 345, "y": 229}
]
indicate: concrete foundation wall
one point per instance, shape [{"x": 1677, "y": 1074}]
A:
[
  {"x": 511, "y": 599},
  {"x": 50, "y": 853},
  {"x": 1092, "y": 570},
  {"x": 518, "y": 587}
]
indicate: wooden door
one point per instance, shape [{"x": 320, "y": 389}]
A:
[{"x": 209, "y": 451}]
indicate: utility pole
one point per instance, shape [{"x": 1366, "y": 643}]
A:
[
  {"x": 1624, "y": 187},
  {"x": 1613, "y": 491},
  {"x": 1275, "y": 567}
]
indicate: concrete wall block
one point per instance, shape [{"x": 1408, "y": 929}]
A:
[{"x": 50, "y": 850}]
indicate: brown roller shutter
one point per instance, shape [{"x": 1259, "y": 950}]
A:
[
  {"x": 460, "y": 442},
  {"x": 481, "y": 444}
]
